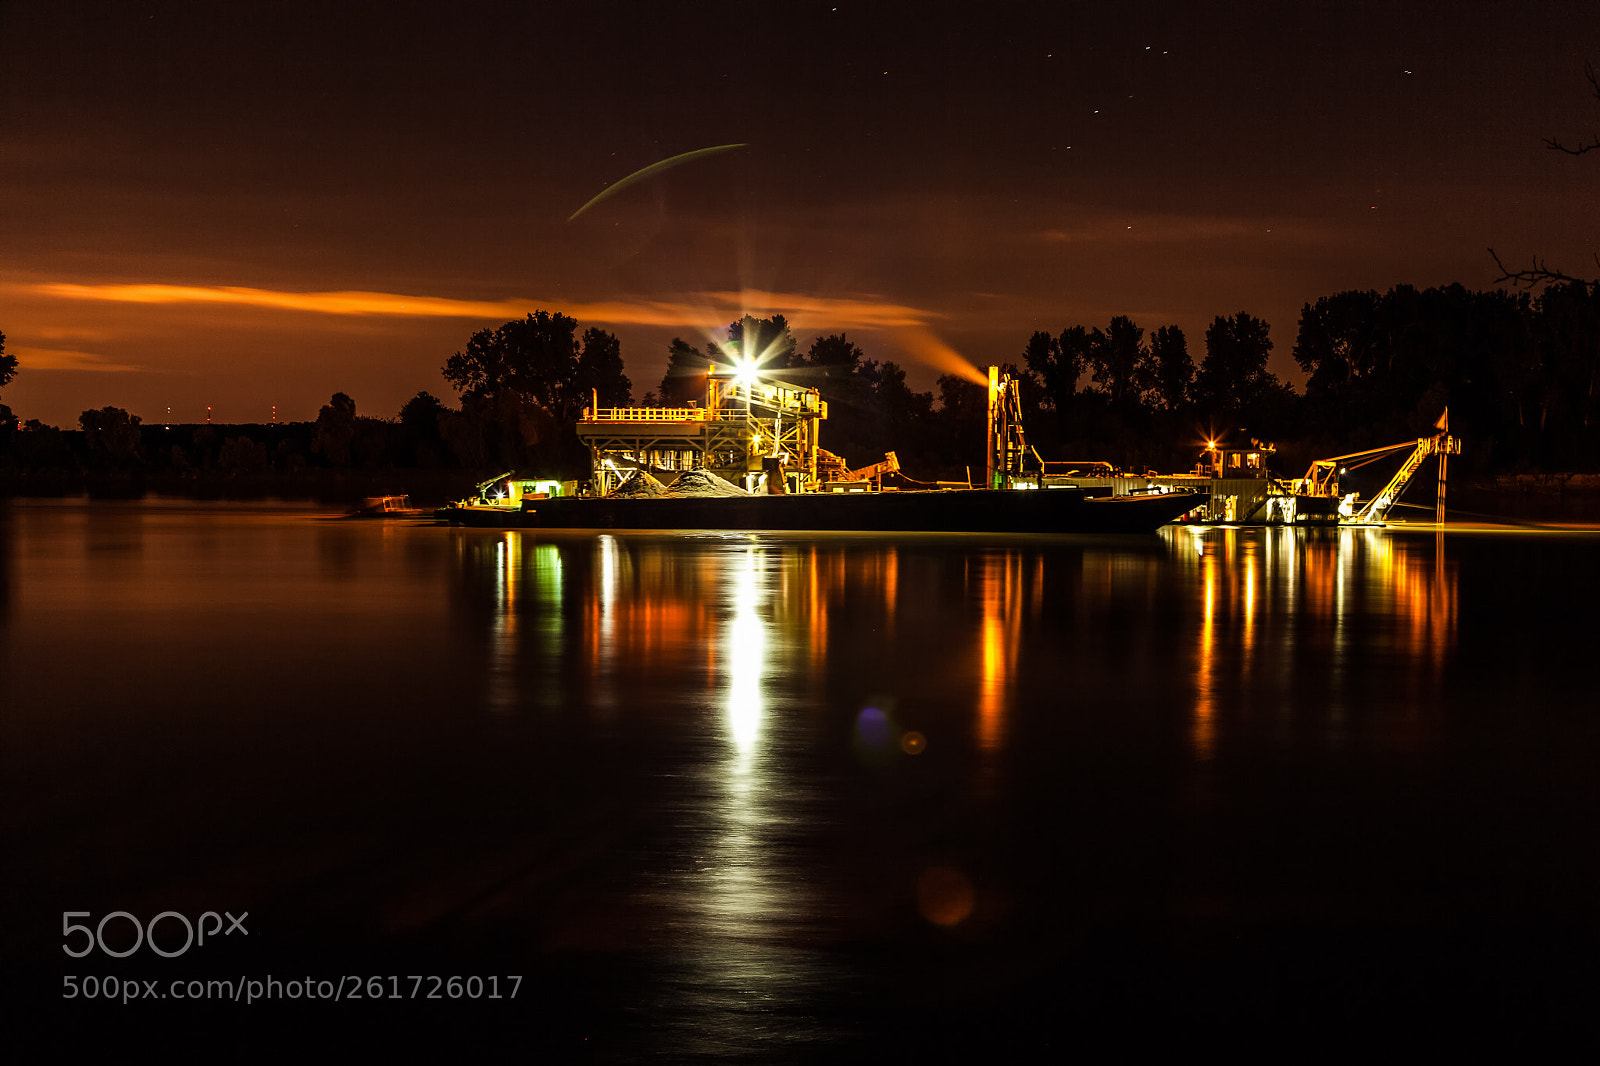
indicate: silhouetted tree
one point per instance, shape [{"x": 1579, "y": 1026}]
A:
[
  {"x": 599, "y": 371},
  {"x": 8, "y": 370},
  {"x": 1570, "y": 337},
  {"x": 421, "y": 413},
  {"x": 421, "y": 431},
  {"x": 838, "y": 369},
  {"x": 836, "y": 356},
  {"x": 241, "y": 455},
  {"x": 111, "y": 436},
  {"x": 336, "y": 429},
  {"x": 1056, "y": 363},
  {"x": 376, "y": 443},
  {"x": 523, "y": 386},
  {"x": 8, "y": 364},
  {"x": 685, "y": 378},
  {"x": 1233, "y": 378},
  {"x": 1114, "y": 356},
  {"x": 1338, "y": 342},
  {"x": 1167, "y": 371},
  {"x": 37, "y": 446},
  {"x": 905, "y": 417},
  {"x": 536, "y": 356},
  {"x": 765, "y": 340}
]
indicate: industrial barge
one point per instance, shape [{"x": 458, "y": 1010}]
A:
[
  {"x": 753, "y": 459},
  {"x": 1242, "y": 490}
]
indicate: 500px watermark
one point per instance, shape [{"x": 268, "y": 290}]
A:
[
  {"x": 144, "y": 933},
  {"x": 253, "y": 990}
]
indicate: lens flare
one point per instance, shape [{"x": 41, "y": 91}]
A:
[
  {"x": 945, "y": 896},
  {"x": 872, "y": 725}
]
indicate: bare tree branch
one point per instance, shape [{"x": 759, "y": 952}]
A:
[
  {"x": 1592, "y": 143},
  {"x": 1573, "y": 149},
  {"x": 1541, "y": 273}
]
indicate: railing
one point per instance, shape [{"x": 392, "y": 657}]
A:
[
  {"x": 644, "y": 414},
  {"x": 1060, "y": 468}
]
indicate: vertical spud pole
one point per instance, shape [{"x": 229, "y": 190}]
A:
[{"x": 994, "y": 393}]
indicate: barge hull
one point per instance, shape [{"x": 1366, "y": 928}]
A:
[{"x": 955, "y": 511}]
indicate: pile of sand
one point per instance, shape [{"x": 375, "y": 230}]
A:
[
  {"x": 701, "y": 483},
  {"x": 639, "y": 485}
]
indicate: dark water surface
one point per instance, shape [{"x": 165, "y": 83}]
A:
[{"x": 801, "y": 798}]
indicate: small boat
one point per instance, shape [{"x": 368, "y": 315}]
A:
[{"x": 389, "y": 507}]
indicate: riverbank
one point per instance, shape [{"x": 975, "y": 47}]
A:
[{"x": 426, "y": 488}]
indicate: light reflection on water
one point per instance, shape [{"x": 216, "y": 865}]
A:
[
  {"x": 743, "y": 898},
  {"x": 1304, "y": 614},
  {"x": 695, "y": 711}
]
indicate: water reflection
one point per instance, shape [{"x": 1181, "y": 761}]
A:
[
  {"x": 1203, "y": 732},
  {"x": 742, "y": 894},
  {"x": 756, "y": 786},
  {"x": 1292, "y": 619},
  {"x": 519, "y": 584},
  {"x": 1000, "y": 593},
  {"x": 5, "y": 561},
  {"x": 742, "y": 665},
  {"x": 1282, "y": 621}
]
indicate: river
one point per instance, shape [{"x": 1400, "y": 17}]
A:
[{"x": 783, "y": 797}]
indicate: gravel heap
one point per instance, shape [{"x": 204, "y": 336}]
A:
[
  {"x": 639, "y": 485},
  {"x": 703, "y": 483}
]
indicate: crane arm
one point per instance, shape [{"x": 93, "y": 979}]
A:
[
  {"x": 1317, "y": 472},
  {"x": 1379, "y": 505}
]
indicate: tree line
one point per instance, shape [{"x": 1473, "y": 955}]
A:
[{"x": 1518, "y": 370}]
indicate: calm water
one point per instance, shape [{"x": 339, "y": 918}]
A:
[{"x": 793, "y": 798}]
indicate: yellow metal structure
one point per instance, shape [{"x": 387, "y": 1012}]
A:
[
  {"x": 749, "y": 417},
  {"x": 1006, "y": 446},
  {"x": 835, "y": 478},
  {"x": 1322, "y": 476}
]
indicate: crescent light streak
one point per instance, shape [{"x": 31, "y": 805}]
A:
[{"x": 653, "y": 169}]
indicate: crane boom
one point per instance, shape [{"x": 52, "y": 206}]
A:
[{"x": 1440, "y": 444}]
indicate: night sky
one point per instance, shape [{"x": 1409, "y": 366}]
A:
[{"x": 244, "y": 205}]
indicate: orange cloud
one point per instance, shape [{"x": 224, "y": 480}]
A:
[
  {"x": 820, "y": 312},
  {"x": 716, "y": 308},
  {"x": 67, "y": 359},
  {"x": 907, "y": 326},
  {"x": 335, "y": 303}
]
